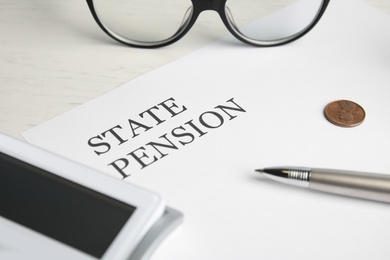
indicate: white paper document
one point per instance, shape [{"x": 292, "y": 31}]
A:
[{"x": 196, "y": 129}]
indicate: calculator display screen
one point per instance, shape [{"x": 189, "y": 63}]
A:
[{"x": 58, "y": 208}]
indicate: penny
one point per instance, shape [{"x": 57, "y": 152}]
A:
[{"x": 344, "y": 113}]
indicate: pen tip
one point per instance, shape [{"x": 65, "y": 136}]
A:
[{"x": 259, "y": 170}]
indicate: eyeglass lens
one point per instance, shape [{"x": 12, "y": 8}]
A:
[
  {"x": 142, "y": 20},
  {"x": 158, "y": 20},
  {"x": 272, "y": 20}
]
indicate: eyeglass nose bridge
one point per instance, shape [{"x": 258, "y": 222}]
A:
[
  {"x": 198, "y": 6},
  {"x": 219, "y": 6},
  {"x": 205, "y": 5},
  {"x": 193, "y": 12}
]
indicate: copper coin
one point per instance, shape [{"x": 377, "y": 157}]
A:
[{"x": 344, "y": 113}]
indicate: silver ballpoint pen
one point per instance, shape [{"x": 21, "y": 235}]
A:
[{"x": 362, "y": 185}]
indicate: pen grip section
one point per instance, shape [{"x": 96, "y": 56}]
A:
[{"x": 354, "y": 184}]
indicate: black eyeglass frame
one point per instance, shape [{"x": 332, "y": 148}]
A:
[{"x": 198, "y": 6}]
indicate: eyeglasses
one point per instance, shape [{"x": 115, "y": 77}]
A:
[{"x": 156, "y": 23}]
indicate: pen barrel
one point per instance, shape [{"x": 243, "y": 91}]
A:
[{"x": 354, "y": 184}]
